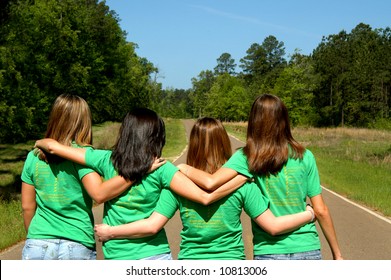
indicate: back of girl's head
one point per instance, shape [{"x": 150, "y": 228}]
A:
[
  {"x": 69, "y": 120},
  {"x": 209, "y": 145},
  {"x": 269, "y": 138},
  {"x": 141, "y": 139},
  {"x": 268, "y": 119}
]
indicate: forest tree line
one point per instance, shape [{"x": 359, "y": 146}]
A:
[
  {"x": 346, "y": 81},
  {"x": 49, "y": 47}
]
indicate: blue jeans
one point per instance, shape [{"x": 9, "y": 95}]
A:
[
  {"x": 56, "y": 249},
  {"x": 309, "y": 255},
  {"x": 160, "y": 257}
]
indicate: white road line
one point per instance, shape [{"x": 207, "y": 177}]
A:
[{"x": 359, "y": 206}]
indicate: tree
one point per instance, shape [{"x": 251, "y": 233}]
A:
[
  {"x": 332, "y": 60},
  {"x": 227, "y": 99},
  {"x": 296, "y": 85},
  {"x": 66, "y": 46},
  {"x": 263, "y": 63},
  {"x": 201, "y": 87},
  {"x": 225, "y": 64}
]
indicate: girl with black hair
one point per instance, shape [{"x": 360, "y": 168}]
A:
[
  {"x": 140, "y": 142},
  {"x": 213, "y": 231}
]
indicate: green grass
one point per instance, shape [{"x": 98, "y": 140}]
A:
[
  {"x": 175, "y": 139},
  {"x": 11, "y": 226},
  {"x": 355, "y": 163},
  {"x": 12, "y": 158}
]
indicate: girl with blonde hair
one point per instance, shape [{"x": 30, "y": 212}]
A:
[
  {"x": 140, "y": 141},
  {"x": 57, "y": 194}
]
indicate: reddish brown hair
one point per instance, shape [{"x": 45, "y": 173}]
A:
[
  {"x": 209, "y": 145},
  {"x": 269, "y": 139}
]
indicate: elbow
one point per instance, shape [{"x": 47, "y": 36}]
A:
[
  {"x": 273, "y": 232},
  {"x": 321, "y": 212},
  {"x": 206, "y": 199},
  {"x": 98, "y": 198},
  {"x": 152, "y": 230},
  {"x": 28, "y": 207},
  {"x": 210, "y": 184}
]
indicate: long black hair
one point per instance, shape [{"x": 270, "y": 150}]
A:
[{"x": 141, "y": 139}]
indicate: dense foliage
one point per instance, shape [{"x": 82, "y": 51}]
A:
[
  {"x": 346, "y": 81},
  {"x": 49, "y": 47}
]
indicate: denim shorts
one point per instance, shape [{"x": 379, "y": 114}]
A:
[
  {"x": 56, "y": 249},
  {"x": 309, "y": 255},
  {"x": 160, "y": 257}
]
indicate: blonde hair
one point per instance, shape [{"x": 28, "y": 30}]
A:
[
  {"x": 69, "y": 121},
  {"x": 209, "y": 145}
]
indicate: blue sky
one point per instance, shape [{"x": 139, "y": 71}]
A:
[{"x": 184, "y": 37}]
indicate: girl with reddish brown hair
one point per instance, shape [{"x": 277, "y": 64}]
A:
[{"x": 287, "y": 175}]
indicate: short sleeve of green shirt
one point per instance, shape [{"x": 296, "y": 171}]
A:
[
  {"x": 238, "y": 162},
  {"x": 314, "y": 187},
  {"x": 26, "y": 173},
  {"x": 32, "y": 158},
  {"x": 167, "y": 204},
  {"x": 167, "y": 171},
  {"x": 100, "y": 161},
  {"x": 255, "y": 203},
  {"x": 82, "y": 170}
]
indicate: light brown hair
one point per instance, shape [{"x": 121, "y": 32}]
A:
[
  {"x": 269, "y": 139},
  {"x": 209, "y": 145},
  {"x": 69, "y": 121}
]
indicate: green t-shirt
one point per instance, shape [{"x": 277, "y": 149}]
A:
[
  {"x": 214, "y": 231},
  {"x": 136, "y": 203},
  {"x": 287, "y": 192},
  {"x": 64, "y": 208}
]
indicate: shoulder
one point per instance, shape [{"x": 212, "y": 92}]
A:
[
  {"x": 96, "y": 153},
  {"x": 32, "y": 156},
  {"x": 308, "y": 155},
  {"x": 238, "y": 156},
  {"x": 168, "y": 166}
]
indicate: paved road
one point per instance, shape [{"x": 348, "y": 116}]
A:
[{"x": 362, "y": 234}]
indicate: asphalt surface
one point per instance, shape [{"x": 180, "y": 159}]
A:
[{"x": 362, "y": 233}]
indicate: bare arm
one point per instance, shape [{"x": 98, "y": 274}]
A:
[
  {"x": 98, "y": 190},
  {"x": 205, "y": 180},
  {"x": 107, "y": 190},
  {"x": 29, "y": 204},
  {"x": 137, "y": 229},
  {"x": 283, "y": 224},
  {"x": 326, "y": 223},
  {"x": 51, "y": 146},
  {"x": 185, "y": 187},
  {"x": 104, "y": 191}
]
